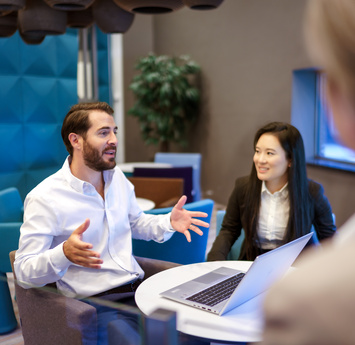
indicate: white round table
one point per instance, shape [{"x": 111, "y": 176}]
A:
[
  {"x": 242, "y": 324},
  {"x": 145, "y": 204},
  {"x": 129, "y": 167}
]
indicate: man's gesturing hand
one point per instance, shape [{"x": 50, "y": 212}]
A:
[
  {"x": 79, "y": 252},
  {"x": 183, "y": 220}
]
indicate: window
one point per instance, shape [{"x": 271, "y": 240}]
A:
[
  {"x": 329, "y": 144},
  {"x": 87, "y": 66},
  {"x": 313, "y": 118}
]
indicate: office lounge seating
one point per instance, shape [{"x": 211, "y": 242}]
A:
[
  {"x": 164, "y": 192},
  {"x": 48, "y": 317},
  {"x": 177, "y": 249},
  {"x": 11, "y": 213},
  {"x": 184, "y": 159},
  {"x": 235, "y": 250},
  {"x": 185, "y": 173}
]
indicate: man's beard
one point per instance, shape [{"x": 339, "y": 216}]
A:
[{"x": 94, "y": 160}]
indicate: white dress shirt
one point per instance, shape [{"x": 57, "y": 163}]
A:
[
  {"x": 273, "y": 217},
  {"x": 62, "y": 202}
]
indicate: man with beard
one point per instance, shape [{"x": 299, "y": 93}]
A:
[{"x": 79, "y": 222}]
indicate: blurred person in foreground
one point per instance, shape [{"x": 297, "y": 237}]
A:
[{"x": 315, "y": 304}]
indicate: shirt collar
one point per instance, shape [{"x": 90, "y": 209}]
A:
[
  {"x": 283, "y": 192},
  {"x": 80, "y": 185}
]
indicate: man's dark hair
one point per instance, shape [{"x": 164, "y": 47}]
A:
[{"x": 77, "y": 120}]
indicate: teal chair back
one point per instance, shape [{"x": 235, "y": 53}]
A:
[
  {"x": 235, "y": 250},
  {"x": 177, "y": 249},
  {"x": 314, "y": 240},
  {"x": 184, "y": 159},
  {"x": 11, "y": 206},
  {"x": 11, "y": 216}
]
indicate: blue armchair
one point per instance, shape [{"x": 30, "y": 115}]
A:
[
  {"x": 11, "y": 216},
  {"x": 235, "y": 250},
  {"x": 177, "y": 249}
]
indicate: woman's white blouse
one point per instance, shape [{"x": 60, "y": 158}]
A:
[{"x": 273, "y": 217}]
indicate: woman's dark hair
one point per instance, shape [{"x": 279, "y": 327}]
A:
[
  {"x": 292, "y": 142},
  {"x": 77, "y": 120}
]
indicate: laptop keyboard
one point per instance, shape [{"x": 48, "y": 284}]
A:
[{"x": 217, "y": 293}]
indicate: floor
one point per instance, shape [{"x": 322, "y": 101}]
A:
[{"x": 15, "y": 337}]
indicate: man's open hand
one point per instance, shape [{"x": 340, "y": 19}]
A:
[
  {"x": 79, "y": 252},
  {"x": 183, "y": 220}
]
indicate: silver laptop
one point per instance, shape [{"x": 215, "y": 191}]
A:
[{"x": 224, "y": 288}]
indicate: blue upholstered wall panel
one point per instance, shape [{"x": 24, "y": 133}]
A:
[
  {"x": 104, "y": 66},
  {"x": 37, "y": 87}
]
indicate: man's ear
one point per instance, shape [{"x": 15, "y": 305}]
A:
[{"x": 75, "y": 140}]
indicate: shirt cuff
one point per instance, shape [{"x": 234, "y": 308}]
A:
[
  {"x": 169, "y": 226},
  {"x": 59, "y": 260}
]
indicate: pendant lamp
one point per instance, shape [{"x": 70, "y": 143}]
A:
[
  {"x": 8, "y": 24},
  {"x": 69, "y": 5},
  {"x": 111, "y": 18},
  {"x": 40, "y": 19},
  {"x": 80, "y": 19},
  {"x": 150, "y": 6},
  {"x": 31, "y": 38},
  {"x": 11, "y": 5},
  {"x": 202, "y": 4}
]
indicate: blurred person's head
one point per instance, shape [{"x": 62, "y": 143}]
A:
[{"x": 330, "y": 38}]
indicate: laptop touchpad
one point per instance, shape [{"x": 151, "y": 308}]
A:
[{"x": 210, "y": 278}]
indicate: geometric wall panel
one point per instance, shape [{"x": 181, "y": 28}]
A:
[
  {"x": 38, "y": 85},
  {"x": 40, "y": 99},
  {"x": 17, "y": 179},
  {"x": 11, "y": 148},
  {"x": 104, "y": 66},
  {"x": 41, "y": 60},
  {"x": 65, "y": 91},
  {"x": 34, "y": 177},
  {"x": 36, "y": 92},
  {"x": 10, "y": 60},
  {"x": 43, "y": 146},
  {"x": 65, "y": 69},
  {"x": 11, "y": 108}
]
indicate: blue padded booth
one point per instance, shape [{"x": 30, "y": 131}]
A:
[
  {"x": 177, "y": 249},
  {"x": 40, "y": 88},
  {"x": 11, "y": 211},
  {"x": 235, "y": 250}
]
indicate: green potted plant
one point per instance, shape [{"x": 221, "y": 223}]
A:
[{"x": 166, "y": 99}]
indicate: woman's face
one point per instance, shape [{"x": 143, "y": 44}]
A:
[{"x": 271, "y": 163}]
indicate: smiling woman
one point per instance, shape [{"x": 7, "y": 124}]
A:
[
  {"x": 271, "y": 163},
  {"x": 276, "y": 203}
]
